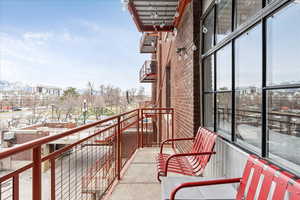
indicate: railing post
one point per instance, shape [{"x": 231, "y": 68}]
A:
[
  {"x": 16, "y": 187},
  {"x": 36, "y": 174},
  {"x": 142, "y": 133},
  {"x": 119, "y": 148},
  {"x": 53, "y": 179},
  {"x": 172, "y": 133},
  {"x": 138, "y": 129}
]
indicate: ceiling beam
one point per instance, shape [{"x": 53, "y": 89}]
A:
[
  {"x": 181, "y": 7},
  {"x": 135, "y": 15}
]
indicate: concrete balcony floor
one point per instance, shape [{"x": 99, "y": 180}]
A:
[{"x": 139, "y": 180}]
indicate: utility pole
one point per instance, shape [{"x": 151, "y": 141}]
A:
[
  {"x": 52, "y": 110},
  {"x": 84, "y": 110}
]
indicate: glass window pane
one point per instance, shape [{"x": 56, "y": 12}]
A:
[
  {"x": 224, "y": 68},
  {"x": 248, "y": 63},
  {"x": 283, "y": 46},
  {"x": 224, "y": 105},
  {"x": 248, "y": 88},
  {"x": 209, "y": 73},
  {"x": 209, "y": 111},
  {"x": 246, "y": 9},
  {"x": 208, "y": 31},
  {"x": 248, "y": 118},
  {"x": 284, "y": 124},
  {"x": 223, "y": 23}
]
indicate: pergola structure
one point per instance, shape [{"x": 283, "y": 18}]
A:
[{"x": 157, "y": 15}]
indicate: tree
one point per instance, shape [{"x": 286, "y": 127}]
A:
[
  {"x": 141, "y": 94},
  {"x": 70, "y": 92}
]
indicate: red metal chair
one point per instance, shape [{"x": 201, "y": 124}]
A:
[
  {"x": 192, "y": 163},
  {"x": 260, "y": 181}
]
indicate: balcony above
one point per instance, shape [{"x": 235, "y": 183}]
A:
[
  {"x": 148, "y": 72},
  {"x": 156, "y": 15},
  {"x": 148, "y": 43}
]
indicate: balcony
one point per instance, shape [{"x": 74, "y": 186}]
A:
[
  {"x": 148, "y": 72},
  {"x": 148, "y": 43}
]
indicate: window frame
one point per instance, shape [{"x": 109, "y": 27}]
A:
[{"x": 268, "y": 9}]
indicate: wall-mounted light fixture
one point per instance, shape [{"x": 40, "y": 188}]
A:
[
  {"x": 162, "y": 24},
  {"x": 181, "y": 52}
]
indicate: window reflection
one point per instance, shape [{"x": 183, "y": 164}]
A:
[
  {"x": 208, "y": 31},
  {"x": 224, "y": 68},
  {"x": 246, "y": 9},
  {"x": 209, "y": 73},
  {"x": 248, "y": 88},
  {"x": 283, "y": 46},
  {"x": 209, "y": 111},
  {"x": 248, "y": 50},
  {"x": 224, "y": 112},
  {"x": 248, "y": 117},
  {"x": 223, "y": 23},
  {"x": 284, "y": 124}
]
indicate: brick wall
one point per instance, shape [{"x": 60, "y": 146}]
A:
[
  {"x": 185, "y": 82},
  {"x": 26, "y": 137}
]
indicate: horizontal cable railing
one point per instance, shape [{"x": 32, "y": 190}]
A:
[{"x": 61, "y": 168}]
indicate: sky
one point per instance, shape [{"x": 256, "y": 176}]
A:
[{"x": 68, "y": 43}]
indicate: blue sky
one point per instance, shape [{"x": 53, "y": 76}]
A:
[{"x": 68, "y": 43}]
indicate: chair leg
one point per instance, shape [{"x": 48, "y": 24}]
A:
[{"x": 158, "y": 177}]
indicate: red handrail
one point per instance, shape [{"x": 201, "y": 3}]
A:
[
  {"x": 203, "y": 183},
  {"x": 47, "y": 139}
]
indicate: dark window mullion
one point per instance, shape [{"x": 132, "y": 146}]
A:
[
  {"x": 215, "y": 92},
  {"x": 264, "y": 139},
  {"x": 233, "y": 135}
]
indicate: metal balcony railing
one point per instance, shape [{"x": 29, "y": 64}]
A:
[
  {"x": 148, "y": 72},
  {"x": 87, "y": 167},
  {"x": 148, "y": 43}
]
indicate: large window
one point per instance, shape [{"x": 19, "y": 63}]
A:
[{"x": 260, "y": 88}]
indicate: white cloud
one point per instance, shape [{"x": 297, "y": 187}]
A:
[
  {"x": 37, "y": 36},
  {"x": 91, "y": 25},
  {"x": 16, "y": 48}
]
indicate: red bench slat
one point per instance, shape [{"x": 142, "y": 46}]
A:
[{"x": 190, "y": 164}]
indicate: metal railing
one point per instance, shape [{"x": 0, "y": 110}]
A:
[
  {"x": 285, "y": 123},
  {"x": 148, "y": 72},
  {"x": 87, "y": 167}
]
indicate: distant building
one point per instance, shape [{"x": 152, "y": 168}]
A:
[
  {"x": 48, "y": 91},
  {"x": 20, "y": 136}
]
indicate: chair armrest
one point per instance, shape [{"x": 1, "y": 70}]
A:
[
  {"x": 203, "y": 183},
  {"x": 170, "y": 140},
  {"x": 183, "y": 155}
]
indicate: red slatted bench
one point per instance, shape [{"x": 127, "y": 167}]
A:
[
  {"x": 192, "y": 163},
  {"x": 260, "y": 181}
]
